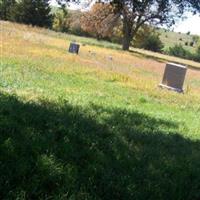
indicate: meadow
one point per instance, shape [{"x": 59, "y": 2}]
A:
[
  {"x": 169, "y": 38},
  {"x": 94, "y": 125}
]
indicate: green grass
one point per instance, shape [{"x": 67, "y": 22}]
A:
[
  {"x": 69, "y": 130},
  {"x": 60, "y": 151},
  {"x": 170, "y": 38}
]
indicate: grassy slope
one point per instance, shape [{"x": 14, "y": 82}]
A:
[
  {"x": 92, "y": 127},
  {"x": 170, "y": 38}
]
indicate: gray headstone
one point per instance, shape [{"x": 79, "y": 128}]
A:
[
  {"x": 74, "y": 48},
  {"x": 174, "y": 77}
]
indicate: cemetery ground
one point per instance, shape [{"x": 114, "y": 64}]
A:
[{"x": 93, "y": 125}]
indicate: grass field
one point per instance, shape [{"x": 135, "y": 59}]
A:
[
  {"x": 93, "y": 125},
  {"x": 170, "y": 38}
]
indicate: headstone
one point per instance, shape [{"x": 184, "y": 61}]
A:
[
  {"x": 174, "y": 77},
  {"x": 74, "y": 48}
]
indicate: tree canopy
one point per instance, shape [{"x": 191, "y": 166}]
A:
[
  {"x": 34, "y": 12},
  {"x": 136, "y": 13},
  {"x": 100, "y": 20},
  {"x": 5, "y": 8}
]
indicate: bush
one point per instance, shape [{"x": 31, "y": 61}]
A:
[
  {"x": 148, "y": 38},
  {"x": 6, "y": 9},
  {"x": 152, "y": 43},
  {"x": 197, "y": 54},
  {"x": 36, "y": 13},
  {"x": 117, "y": 36},
  {"x": 178, "y": 51},
  {"x": 75, "y": 23},
  {"x": 61, "y": 22}
]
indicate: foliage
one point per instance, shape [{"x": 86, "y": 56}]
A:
[
  {"x": 117, "y": 36},
  {"x": 197, "y": 54},
  {"x": 147, "y": 38},
  {"x": 152, "y": 43},
  {"x": 198, "y": 49},
  {"x": 99, "y": 21},
  {"x": 192, "y": 44},
  {"x": 179, "y": 51},
  {"x": 69, "y": 21},
  {"x": 75, "y": 26},
  {"x": 34, "y": 12},
  {"x": 140, "y": 12},
  {"x": 195, "y": 39},
  {"x": 61, "y": 21},
  {"x": 137, "y": 13},
  {"x": 5, "y": 8}
]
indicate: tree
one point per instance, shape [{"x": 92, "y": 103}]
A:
[
  {"x": 195, "y": 5},
  {"x": 75, "y": 23},
  {"x": 5, "y": 8},
  {"x": 61, "y": 20},
  {"x": 136, "y": 13},
  {"x": 148, "y": 38},
  {"x": 34, "y": 12},
  {"x": 100, "y": 20}
]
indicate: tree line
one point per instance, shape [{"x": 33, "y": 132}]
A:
[
  {"x": 34, "y": 12},
  {"x": 136, "y": 13}
]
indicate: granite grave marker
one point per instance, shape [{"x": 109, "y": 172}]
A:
[{"x": 174, "y": 77}]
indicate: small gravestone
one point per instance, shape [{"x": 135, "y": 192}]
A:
[
  {"x": 174, "y": 77},
  {"x": 74, "y": 48}
]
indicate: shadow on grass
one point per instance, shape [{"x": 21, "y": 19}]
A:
[{"x": 50, "y": 151}]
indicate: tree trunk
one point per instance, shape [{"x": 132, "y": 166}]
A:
[
  {"x": 127, "y": 34},
  {"x": 126, "y": 42}
]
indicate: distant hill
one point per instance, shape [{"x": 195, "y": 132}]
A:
[{"x": 170, "y": 38}]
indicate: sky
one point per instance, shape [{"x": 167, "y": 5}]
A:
[{"x": 191, "y": 23}]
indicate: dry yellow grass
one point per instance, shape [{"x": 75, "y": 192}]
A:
[
  {"x": 29, "y": 44},
  {"x": 164, "y": 58}
]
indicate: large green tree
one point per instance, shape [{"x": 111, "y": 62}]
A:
[
  {"x": 5, "y": 8},
  {"x": 136, "y": 13},
  {"x": 34, "y": 12}
]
